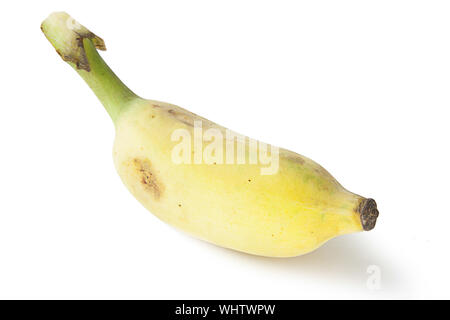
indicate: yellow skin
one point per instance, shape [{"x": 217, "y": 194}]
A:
[{"x": 285, "y": 214}]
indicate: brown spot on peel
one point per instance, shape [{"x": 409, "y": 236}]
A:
[
  {"x": 148, "y": 178},
  {"x": 183, "y": 116}
]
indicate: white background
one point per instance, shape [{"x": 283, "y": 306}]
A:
[{"x": 362, "y": 87}]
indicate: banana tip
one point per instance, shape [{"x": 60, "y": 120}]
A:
[{"x": 368, "y": 213}]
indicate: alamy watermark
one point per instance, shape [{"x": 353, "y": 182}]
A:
[
  {"x": 213, "y": 147},
  {"x": 374, "y": 280}
]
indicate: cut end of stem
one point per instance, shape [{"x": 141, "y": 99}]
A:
[
  {"x": 67, "y": 35},
  {"x": 368, "y": 213}
]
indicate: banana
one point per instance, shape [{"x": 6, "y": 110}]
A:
[{"x": 249, "y": 196}]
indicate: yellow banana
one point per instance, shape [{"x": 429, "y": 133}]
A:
[{"x": 232, "y": 191}]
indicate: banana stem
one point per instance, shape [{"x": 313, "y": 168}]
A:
[
  {"x": 78, "y": 46},
  {"x": 109, "y": 89}
]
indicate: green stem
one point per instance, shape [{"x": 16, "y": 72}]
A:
[
  {"x": 109, "y": 89},
  {"x": 78, "y": 46}
]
